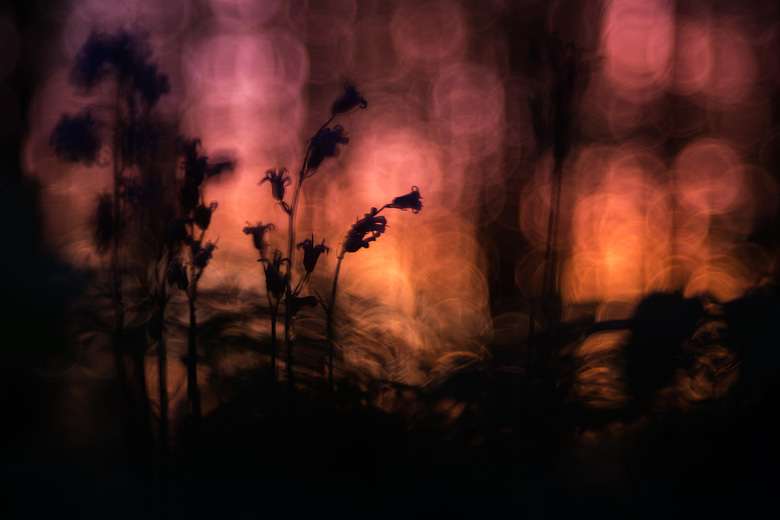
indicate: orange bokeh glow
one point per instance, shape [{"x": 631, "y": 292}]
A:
[{"x": 671, "y": 165}]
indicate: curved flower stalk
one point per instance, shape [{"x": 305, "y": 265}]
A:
[
  {"x": 348, "y": 101},
  {"x": 360, "y": 235},
  {"x": 323, "y": 144}
]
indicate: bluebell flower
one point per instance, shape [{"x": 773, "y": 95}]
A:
[
  {"x": 312, "y": 252},
  {"x": 356, "y": 237},
  {"x": 409, "y": 201},
  {"x": 202, "y": 257},
  {"x": 258, "y": 235},
  {"x": 275, "y": 281},
  {"x": 202, "y": 215},
  {"x": 349, "y": 100},
  {"x": 324, "y": 144},
  {"x": 196, "y": 166},
  {"x": 279, "y": 180}
]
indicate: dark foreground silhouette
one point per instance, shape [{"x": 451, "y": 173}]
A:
[{"x": 508, "y": 432}]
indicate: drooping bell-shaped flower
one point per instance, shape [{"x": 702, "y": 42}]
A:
[
  {"x": 202, "y": 215},
  {"x": 258, "y": 233},
  {"x": 312, "y": 252},
  {"x": 349, "y": 100},
  {"x": 197, "y": 167},
  {"x": 324, "y": 144},
  {"x": 279, "y": 180},
  {"x": 409, "y": 201},
  {"x": 370, "y": 223},
  {"x": 356, "y": 237},
  {"x": 275, "y": 281},
  {"x": 201, "y": 259}
]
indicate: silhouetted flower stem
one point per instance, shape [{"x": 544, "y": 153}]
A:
[
  {"x": 162, "y": 353},
  {"x": 195, "y": 213},
  {"x": 323, "y": 144},
  {"x": 192, "y": 355},
  {"x": 200, "y": 256},
  {"x": 329, "y": 121},
  {"x": 274, "y": 313},
  {"x": 355, "y": 240},
  {"x": 329, "y": 320},
  {"x": 288, "y": 291}
]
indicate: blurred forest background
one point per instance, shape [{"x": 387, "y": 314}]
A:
[{"x": 582, "y": 317}]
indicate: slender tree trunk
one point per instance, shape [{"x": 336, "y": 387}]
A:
[
  {"x": 162, "y": 377},
  {"x": 554, "y": 271},
  {"x": 550, "y": 278}
]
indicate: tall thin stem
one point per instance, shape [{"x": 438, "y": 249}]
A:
[
  {"x": 288, "y": 291},
  {"x": 325, "y": 124},
  {"x": 332, "y": 305},
  {"x": 192, "y": 353},
  {"x": 291, "y": 258},
  {"x": 291, "y": 215},
  {"x": 329, "y": 320},
  {"x": 274, "y": 309},
  {"x": 162, "y": 368},
  {"x": 292, "y": 212}
]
